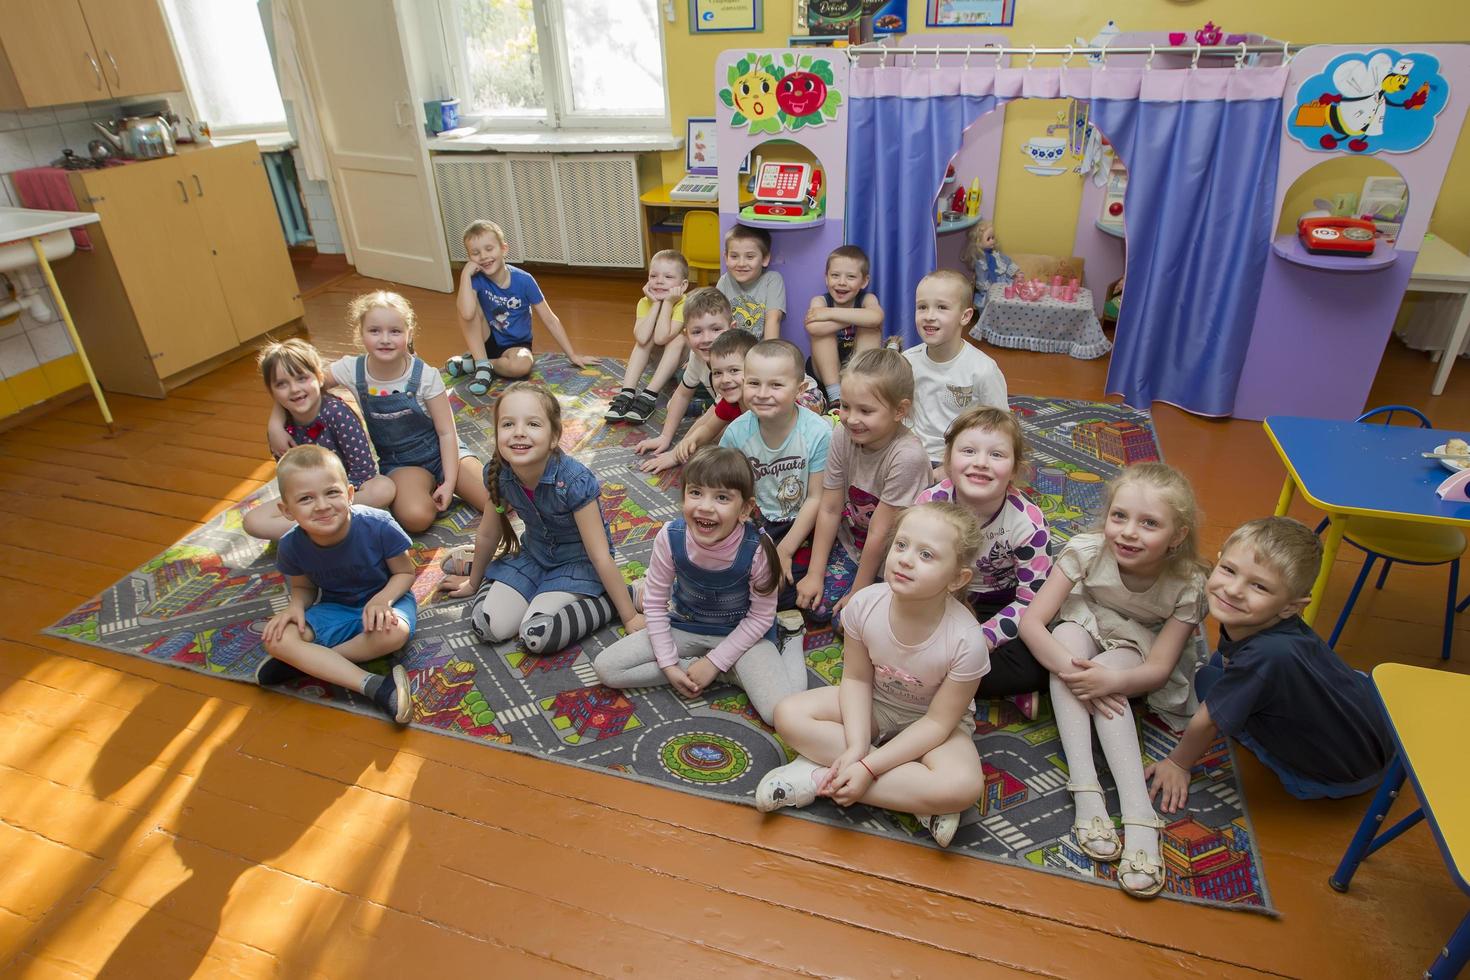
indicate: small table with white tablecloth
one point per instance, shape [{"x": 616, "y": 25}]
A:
[
  {"x": 1442, "y": 324},
  {"x": 1048, "y": 324}
]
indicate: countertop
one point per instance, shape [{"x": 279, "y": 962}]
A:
[{"x": 18, "y": 223}]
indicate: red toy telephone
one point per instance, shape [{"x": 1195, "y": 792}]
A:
[{"x": 1348, "y": 237}]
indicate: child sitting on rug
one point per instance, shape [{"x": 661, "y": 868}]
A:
[
  {"x": 727, "y": 378},
  {"x": 787, "y": 447},
  {"x": 876, "y": 467},
  {"x": 710, "y": 597},
  {"x": 949, "y": 374},
  {"x": 407, "y": 412},
  {"x": 844, "y": 321},
  {"x": 559, "y": 581},
  {"x": 658, "y": 322},
  {"x": 495, "y": 301},
  {"x": 1274, "y": 685},
  {"x": 292, "y": 370},
  {"x": 757, "y": 293},
  {"x": 896, "y": 732},
  {"x": 984, "y": 451},
  {"x": 1122, "y": 604},
  {"x": 706, "y": 316},
  {"x": 357, "y": 558}
]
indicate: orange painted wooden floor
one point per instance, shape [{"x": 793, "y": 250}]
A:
[{"x": 155, "y": 822}]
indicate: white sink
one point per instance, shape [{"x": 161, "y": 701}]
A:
[{"x": 19, "y": 225}]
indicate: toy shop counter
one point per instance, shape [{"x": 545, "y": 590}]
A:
[{"x": 1047, "y": 324}]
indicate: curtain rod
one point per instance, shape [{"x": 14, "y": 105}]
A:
[{"x": 883, "y": 51}]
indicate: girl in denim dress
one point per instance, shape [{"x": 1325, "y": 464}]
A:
[{"x": 558, "y": 581}]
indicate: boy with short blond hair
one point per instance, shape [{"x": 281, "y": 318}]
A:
[
  {"x": 950, "y": 375},
  {"x": 350, "y": 576},
  {"x": 706, "y": 316},
  {"x": 658, "y": 322},
  {"x": 757, "y": 293},
  {"x": 1274, "y": 685},
  {"x": 495, "y": 301}
]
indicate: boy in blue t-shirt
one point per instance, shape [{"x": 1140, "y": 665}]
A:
[
  {"x": 495, "y": 301},
  {"x": 1274, "y": 685},
  {"x": 358, "y": 558},
  {"x": 787, "y": 447}
]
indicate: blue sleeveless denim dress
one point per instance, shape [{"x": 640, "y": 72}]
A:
[
  {"x": 402, "y": 432},
  {"x": 706, "y": 601},
  {"x": 552, "y": 557}
]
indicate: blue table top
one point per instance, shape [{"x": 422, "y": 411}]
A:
[{"x": 1375, "y": 470}]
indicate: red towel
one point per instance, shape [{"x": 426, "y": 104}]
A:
[{"x": 49, "y": 189}]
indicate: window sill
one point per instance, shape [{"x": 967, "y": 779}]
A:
[
  {"x": 268, "y": 142},
  {"x": 561, "y": 141}
]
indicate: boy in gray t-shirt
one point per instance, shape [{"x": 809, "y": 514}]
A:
[{"x": 757, "y": 295}]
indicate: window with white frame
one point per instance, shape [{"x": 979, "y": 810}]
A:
[
  {"x": 227, "y": 65},
  {"x": 528, "y": 64}
]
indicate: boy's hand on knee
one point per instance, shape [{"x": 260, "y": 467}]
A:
[
  {"x": 377, "y": 614},
  {"x": 275, "y": 630}
]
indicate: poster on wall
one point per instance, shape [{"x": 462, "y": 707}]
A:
[
  {"x": 970, "y": 13},
  {"x": 832, "y": 18},
  {"x": 724, "y": 16},
  {"x": 1380, "y": 101}
]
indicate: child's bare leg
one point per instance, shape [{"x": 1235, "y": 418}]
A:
[
  {"x": 824, "y": 359},
  {"x": 377, "y": 492},
  {"x": 413, "y": 503},
  {"x": 1119, "y": 738},
  {"x": 866, "y": 338},
  {"x": 1074, "y": 724},
  {"x": 811, "y": 723},
  {"x": 514, "y": 363},
  {"x": 637, "y": 361},
  {"x": 324, "y": 663},
  {"x": 669, "y": 362},
  {"x": 266, "y": 522},
  {"x": 469, "y": 484},
  {"x": 948, "y": 779},
  {"x": 475, "y": 330}
]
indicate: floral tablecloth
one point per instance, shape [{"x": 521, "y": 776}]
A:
[{"x": 1048, "y": 325}]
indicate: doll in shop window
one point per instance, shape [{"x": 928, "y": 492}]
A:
[{"x": 989, "y": 264}]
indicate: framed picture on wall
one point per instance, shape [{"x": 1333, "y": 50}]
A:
[
  {"x": 970, "y": 13},
  {"x": 725, "y": 16}
]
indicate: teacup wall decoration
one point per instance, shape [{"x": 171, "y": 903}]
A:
[{"x": 1046, "y": 153}]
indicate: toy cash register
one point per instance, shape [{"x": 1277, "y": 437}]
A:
[{"x": 785, "y": 190}]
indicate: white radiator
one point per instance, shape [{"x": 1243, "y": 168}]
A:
[{"x": 573, "y": 209}]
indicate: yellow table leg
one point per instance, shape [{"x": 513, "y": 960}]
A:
[
  {"x": 1329, "y": 555},
  {"x": 1283, "y": 503},
  {"x": 71, "y": 329}
]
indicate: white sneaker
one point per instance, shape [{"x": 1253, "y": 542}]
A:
[
  {"x": 941, "y": 826},
  {"x": 794, "y": 784}
]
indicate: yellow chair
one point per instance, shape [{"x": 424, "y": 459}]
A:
[{"x": 701, "y": 242}]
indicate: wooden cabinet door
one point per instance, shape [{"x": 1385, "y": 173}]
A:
[
  {"x": 152, "y": 221},
  {"x": 51, "y": 52},
  {"x": 132, "y": 46},
  {"x": 244, "y": 232}
]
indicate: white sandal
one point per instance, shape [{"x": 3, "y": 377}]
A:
[
  {"x": 1097, "y": 830},
  {"x": 1140, "y": 862}
]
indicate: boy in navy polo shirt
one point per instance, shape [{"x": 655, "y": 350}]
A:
[
  {"x": 358, "y": 558},
  {"x": 1274, "y": 685},
  {"x": 495, "y": 301}
]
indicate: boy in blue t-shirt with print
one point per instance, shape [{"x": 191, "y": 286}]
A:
[
  {"x": 495, "y": 301},
  {"x": 358, "y": 558},
  {"x": 787, "y": 447}
]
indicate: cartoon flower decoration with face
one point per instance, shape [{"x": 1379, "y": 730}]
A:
[{"x": 767, "y": 97}]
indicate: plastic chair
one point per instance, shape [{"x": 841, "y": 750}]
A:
[
  {"x": 701, "y": 241},
  {"x": 1403, "y": 542}
]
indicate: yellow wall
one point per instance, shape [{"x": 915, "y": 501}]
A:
[{"x": 1039, "y": 214}]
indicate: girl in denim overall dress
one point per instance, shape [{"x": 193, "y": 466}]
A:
[
  {"x": 407, "y": 413},
  {"x": 710, "y": 597},
  {"x": 558, "y": 581}
]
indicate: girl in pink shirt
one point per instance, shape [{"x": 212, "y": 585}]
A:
[
  {"x": 897, "y": 731},
  {"x": 709, "y": 598}
]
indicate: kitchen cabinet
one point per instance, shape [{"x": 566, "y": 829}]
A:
[
  {"x": 189, "y": 267},
  {"x": 54, "y": 52}
]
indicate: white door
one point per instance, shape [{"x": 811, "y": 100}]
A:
[{"x": 385, "y": 194}]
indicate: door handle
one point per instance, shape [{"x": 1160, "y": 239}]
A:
[
  {"x": 117, "y": 74},
  {"x": 197, "y": 185},
  {"x": 398, "y": 113},
  {"x": 96, "y": 69},
  {"x": 183, "y": 190}
]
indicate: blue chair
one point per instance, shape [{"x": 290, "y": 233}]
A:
[{"x": 1405, "y": 543}]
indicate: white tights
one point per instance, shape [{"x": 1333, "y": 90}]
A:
[{"x": 1119, "y": 738}]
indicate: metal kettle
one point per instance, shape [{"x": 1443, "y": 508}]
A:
[{"x": 139, "y": 137}]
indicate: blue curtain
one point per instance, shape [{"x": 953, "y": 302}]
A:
[
  {"x": 1201, "y": 182},
  {"x": 897, "y": 151}
]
